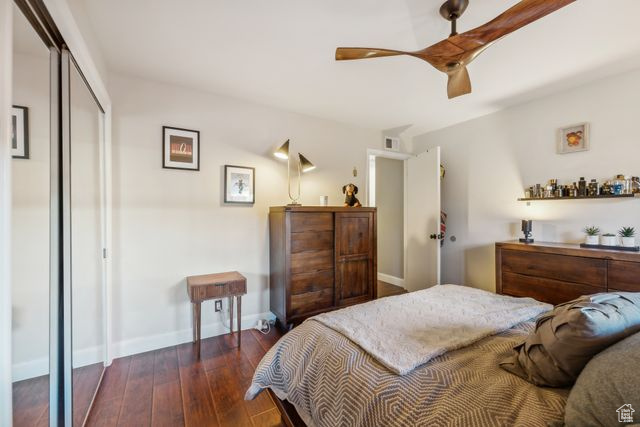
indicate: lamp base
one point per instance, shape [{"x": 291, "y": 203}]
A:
[
  {"x": 294, "y": 204},
  {"x": 527, "y": 240}
]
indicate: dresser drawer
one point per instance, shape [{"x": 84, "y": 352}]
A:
[
  {"x": 311, "y": 282},
  {"x": 545, "y": 290},
  {"x": 311, "y": 221},
  {"x": 624, "y": 276},
  {"x": 311, "y": 261},
  {"x": 580, "y": 270},
  {"x": 311, "y": 302},
  {"x": 311, "y": 241}
]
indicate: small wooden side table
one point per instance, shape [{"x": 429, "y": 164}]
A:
[{"x": 215, "y": 286}]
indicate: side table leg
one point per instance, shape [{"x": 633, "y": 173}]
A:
[
  {"x": 239, "y": 302},
  {"x": 194, "y": 321},
  {"x": 231, "y": 315},
  {"x": 198, "y": 326}
]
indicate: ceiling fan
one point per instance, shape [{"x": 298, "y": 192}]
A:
[{"x": 452, "y": 55}]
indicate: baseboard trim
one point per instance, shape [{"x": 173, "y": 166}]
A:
[
  {"x": 155, "y": 342},
  {"x": 38, "y": 367},
  {"x": 391, "y": 279}
]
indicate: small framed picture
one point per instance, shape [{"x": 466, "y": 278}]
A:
[
  {"x": 239, "y": 184},
  {"x": 20, "y": 132},
  {"x": 573, "y": 138},
  {"x": 180, "y": 148}
]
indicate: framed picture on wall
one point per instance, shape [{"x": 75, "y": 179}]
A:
[
  {"x": 239, "y": 184},
  {"x": 575, "y": 138},
  {"x": 20, "y": 132},
  {"x": 180, "y": 148}
]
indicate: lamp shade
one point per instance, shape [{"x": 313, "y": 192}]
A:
[
  {"x": 283, "y": 151},
  {"x": 305, "y": 164}
]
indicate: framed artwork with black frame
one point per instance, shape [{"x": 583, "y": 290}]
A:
[
  {"x": 239, "y": 184},
  {"x": 180, "y": 148},
  {"x": 20, "y": 132}
]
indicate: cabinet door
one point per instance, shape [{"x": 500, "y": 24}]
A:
[{"x": 355, "y": 257}]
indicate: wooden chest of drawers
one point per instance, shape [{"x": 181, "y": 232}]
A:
[
  {"x": 557, "y": 273},
  {"x": 321, "y": 258}
]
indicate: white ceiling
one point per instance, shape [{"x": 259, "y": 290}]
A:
[{"x": 280, "y": 53}]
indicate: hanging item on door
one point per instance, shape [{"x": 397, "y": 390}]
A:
[
  {"x": 443, "y": 226},
  {"x": 350, "y": 199}
]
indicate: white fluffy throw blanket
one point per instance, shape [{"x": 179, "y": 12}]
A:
[{"x": 405, "y": 331}]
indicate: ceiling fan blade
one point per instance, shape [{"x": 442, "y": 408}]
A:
[
  {"x": 459, "y": 82},
  {"x": 350, "y": 53},
  {"x": 523, "y": 13}
]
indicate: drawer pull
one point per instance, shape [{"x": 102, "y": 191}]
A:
[{"x": 221, "y": 284}]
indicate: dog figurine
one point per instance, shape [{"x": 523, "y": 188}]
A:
[{"x": 350, "y": 199}]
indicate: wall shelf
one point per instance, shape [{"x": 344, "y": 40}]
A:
[{"x": 622, "y": 196}]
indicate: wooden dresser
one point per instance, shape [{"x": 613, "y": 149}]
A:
[
  {"x": 321, "y": 259},
  {"x": 556, "y": 273}
]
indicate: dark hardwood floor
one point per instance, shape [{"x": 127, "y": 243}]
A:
[
  {"x": 31, "y": 397},
  {"x": 387, "y": 289},
  {"x": 170, "y": 386}
]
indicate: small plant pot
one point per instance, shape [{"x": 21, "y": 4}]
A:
[
  {"x": 592, "y": 240},
  {"x": 608, "y": 241},
  {"x": 628, "y": 242}
]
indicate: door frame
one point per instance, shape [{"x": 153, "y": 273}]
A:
[{"x": 372, "y": 154}]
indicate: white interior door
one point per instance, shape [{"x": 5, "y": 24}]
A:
[{"x": 423, "y": 221}]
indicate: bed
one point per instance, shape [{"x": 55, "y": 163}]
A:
[{"x": 331, "y": 380}]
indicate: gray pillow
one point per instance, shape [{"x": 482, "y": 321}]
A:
[
  {"x": 608, "y": 386},
  {"x": 568, "y": 337}
]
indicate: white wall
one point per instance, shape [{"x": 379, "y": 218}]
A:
[
  {"x": 390, "y": 203},
  {"x": 490, "y": 160},
  {"x": 169, "y": 224}
]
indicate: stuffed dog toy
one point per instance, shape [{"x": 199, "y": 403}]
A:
[{"x": 350, "y": 199}]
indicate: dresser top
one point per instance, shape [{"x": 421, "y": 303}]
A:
[
  {"x": 570, "y": 249},
  {"x": 319, "y": 209}
]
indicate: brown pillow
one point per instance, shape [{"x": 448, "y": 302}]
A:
[{"x": 569, "y": 336}]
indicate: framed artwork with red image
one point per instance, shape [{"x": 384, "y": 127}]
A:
[{"x": 180, "y": 148}]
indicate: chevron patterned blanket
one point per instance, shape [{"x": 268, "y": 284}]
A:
[
  {"x": 406, "y": 331},
  {"x": 331, "y": 381}
]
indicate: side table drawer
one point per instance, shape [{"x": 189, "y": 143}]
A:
[{"x": 219, "y": 290}]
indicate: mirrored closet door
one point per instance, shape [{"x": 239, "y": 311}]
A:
[
  {"x": 87, "y": 290},
  {"x": 31, "y": 223}
]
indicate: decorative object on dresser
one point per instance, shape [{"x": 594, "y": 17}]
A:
[
  {"x": 216, "y": 286},
  {"x": 574, "y": 138},
  {"x": 20, "y": 132},
  {"x": 628, "y": 236},
  {"x": 180, "y": 148},
  {"x": 239, "y": 184},
  {"x": 592, "y": 235},
  {"x": 304, "y": 165},
  {"x": 527, "y": 227},
  {"x": 350, "y": 199},
  {"x": 321, "y": 259},
  {"x": 557, "y": 272}
]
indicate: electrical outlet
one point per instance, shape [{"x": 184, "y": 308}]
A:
[{"x": 218, "y": 305}]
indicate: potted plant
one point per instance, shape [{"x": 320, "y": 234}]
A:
[
  {"x": 628, "y": 235},
  {"x": 608, "y": 239},
  {"x": 593, "y": 235}
]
